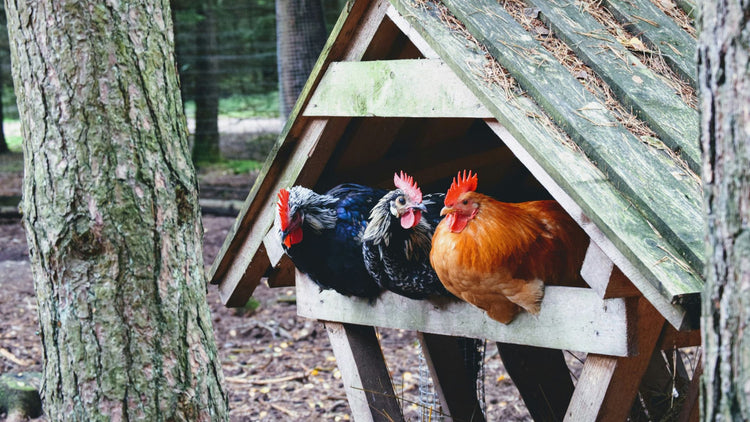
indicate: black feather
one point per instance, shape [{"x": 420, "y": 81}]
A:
[
  {"x": 331, "y": 252},
  {"x": 397, "y": 258}
]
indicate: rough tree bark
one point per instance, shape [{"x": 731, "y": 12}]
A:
[
  {"x": 724, "y": 85},
  {"x": 111, "y": 214},
  {"x": 300, "y": 36}
]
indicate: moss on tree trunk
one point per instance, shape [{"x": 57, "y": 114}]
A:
[
  {"x": 111, "y": 214},
  {"x": 724, "y": 84}
]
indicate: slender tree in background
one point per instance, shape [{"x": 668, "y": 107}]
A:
[
  {"x": 111, "y": 214},
  {"x": 724, "y": 84},
  {"x": 300, "y": 37},
  {"x": 3, "y": 142},
  {"x": 206, "y": 141}
]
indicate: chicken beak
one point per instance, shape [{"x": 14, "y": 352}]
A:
[
  {"x": 446, "y": 210},
  {"x": 421, "y": 207}
]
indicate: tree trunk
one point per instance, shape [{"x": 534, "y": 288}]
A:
[
  {"x": 206, "y": 142},
  {"x": 3, "y": 143},
  {"x": 724, "y": 85},
  {"x": 111, "y": 214},
  {"x": 300, "y": 37}
]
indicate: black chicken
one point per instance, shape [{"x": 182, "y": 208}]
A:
[
  {"x": 396, "y": 250},
  {"x": 322, "y": 234},
  {"x": 396, "y": 244}
]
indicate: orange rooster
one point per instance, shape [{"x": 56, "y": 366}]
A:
[{"x": 498, "y": 256}]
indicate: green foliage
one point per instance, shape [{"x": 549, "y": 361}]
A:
[
  {"x": 242, "y": 166},
  {"x": 15, "y": 142},
  {"x": 258, "y": 105},
  {"x": 251, "y": 305},
  {"x": 230, "y": 166},
  {"x": 12, "y": 132},
  {"x": 244, "y": 106}
]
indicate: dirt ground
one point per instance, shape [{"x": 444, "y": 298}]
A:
[{"x": 277, "y": 366}]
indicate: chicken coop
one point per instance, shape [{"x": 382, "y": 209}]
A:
[{"x": 591, "y": 104}]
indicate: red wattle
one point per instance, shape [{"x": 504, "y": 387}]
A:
[
  {"x": 294, "y": 237},
  {"x": 457, "y": 222},
  {"x": 411, "y": 218}
]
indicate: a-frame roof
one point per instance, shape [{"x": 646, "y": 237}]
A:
[{"x": 429, "y": 88}]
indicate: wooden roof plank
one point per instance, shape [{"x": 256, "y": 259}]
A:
[
  {"x": 688, "y": 6},
  {"x": 660, "y": 32},
  {"x": 393, "y": 88},
  {"x": 655, "y": 184},
  {"x": 619, "y": 230},
  {"x": 660, "y": 280},
  {"x": 636, "y": 85},
  {"x": 411, "y": 33}
]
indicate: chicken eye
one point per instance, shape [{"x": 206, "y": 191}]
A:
[
  {"x": 465, "y": 202},
  {"x": 401, "y": 200}
]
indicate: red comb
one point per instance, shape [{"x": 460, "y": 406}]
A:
[
  {"x": 407, "y": 184},
  {"x": 284, "y": 208},
  {"x": 461, "y": 184}
]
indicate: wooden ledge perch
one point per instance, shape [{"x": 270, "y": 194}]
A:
[{"x": 571, "y": 318}]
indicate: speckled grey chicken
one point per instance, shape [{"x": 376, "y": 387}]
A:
[
  {"x": 396, "y": 250},
  {"x": 396, "y": 244}
]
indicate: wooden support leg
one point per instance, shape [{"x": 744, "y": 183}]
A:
[
  {"x": 665, "y": 372},
  {"x": 456, "y": 391},
  {"x": 608, "y": 385},
  {"x": 690, "y": 408},
  {"x": 541, "y": 376},
  {"x": 656, "y": 386},
  {"x": 366, "y": 380}
]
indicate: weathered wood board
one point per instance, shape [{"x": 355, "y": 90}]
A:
[
  {"x": 638, "y": 239},
  {"x": 657, "y": 186},
  {"x": 570, "y": 319},
  {"x": 367, "y": 382},
  {"x": 393, "y": 88},
  {"x": 608, "y": 385},
  {"x": 644, "y": 19},
  {"x": 569, "y": 171},
  {"x": 635, "y": 85},
  {"x": 411, "y": 33},
  {"x": 601, "y": 274},
  {"x": 688, "y": 6}
]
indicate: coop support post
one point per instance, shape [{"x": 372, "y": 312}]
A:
[
  {"x": 603, "y": 276},
  {"x": 666, "y": 371},
  {"x": 366, "y": 380},
  {"x": 690, "y": 409},
  {"x": 608, "y": 385},
  {"x": 541, "y": 376},
  {"x": 457, "y": 393}
]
